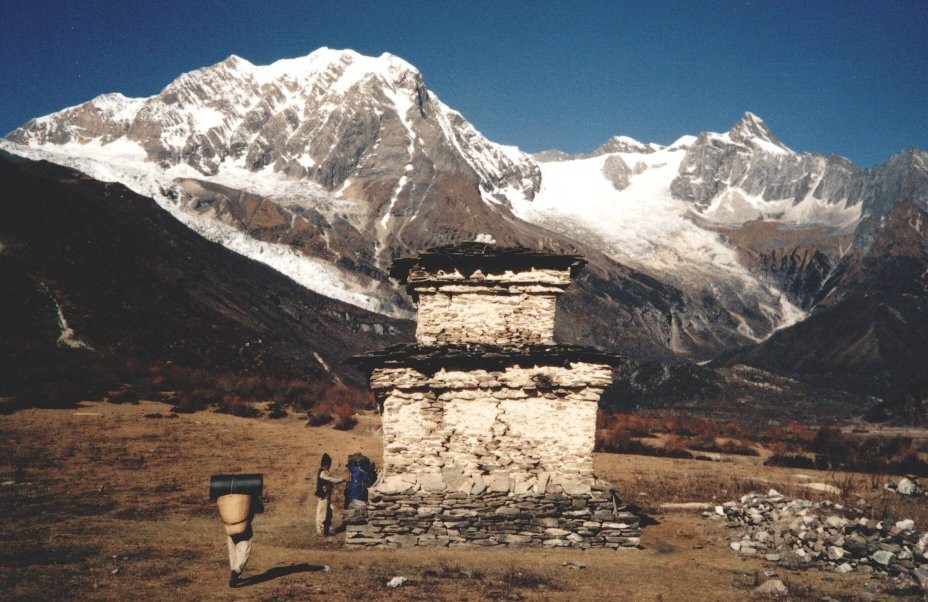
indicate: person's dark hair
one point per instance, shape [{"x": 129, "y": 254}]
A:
[{"x": 326, "y": 460}]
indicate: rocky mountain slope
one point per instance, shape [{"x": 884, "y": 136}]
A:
[
  {"x": 95, "y": 271},
  {"x": 360, "y": 163},
  {"x": 326, "y": 166},
  {"x": 869, "y": 333}
]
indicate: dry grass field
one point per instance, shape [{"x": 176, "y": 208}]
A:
[{"x": 110, "y": 502}]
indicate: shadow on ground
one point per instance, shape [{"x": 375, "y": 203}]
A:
[{"x": 282, "y": 571}]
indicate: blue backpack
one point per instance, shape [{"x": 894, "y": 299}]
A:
[{"x": 363, "y": 475}]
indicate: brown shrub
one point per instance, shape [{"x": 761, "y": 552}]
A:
[
  {"x": 319, "y": 419},
  {"x": 789, "y": 460},
  {"x": 235, "y": 405},
  {"x": 730, "y": 446},
  {"x": 345, "y": 423},
  {"x": 619, "y": 442}
]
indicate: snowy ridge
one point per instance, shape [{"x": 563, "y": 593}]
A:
[
  {"x": 313, "y": 274},
  {"x": 752, "y": 131},
  {"x": 253, "y": 117},
  {"x": 488, "y": 159},
  {"x": 346, "y": 153},
  {"x": 278, "y": 131},
  {"x": 645, "y": 227},
  {"x": 746, "y": 174}
]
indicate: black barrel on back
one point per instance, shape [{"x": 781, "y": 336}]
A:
[{"x": 224, "y": 484}]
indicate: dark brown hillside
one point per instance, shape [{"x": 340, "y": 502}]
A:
[
  {"x": 872, "y": 334},
  {"x": 132, "y": 282}
]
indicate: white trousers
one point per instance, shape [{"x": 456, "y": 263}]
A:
[
  {"x": 323, "y": 519},
  {"x": 238, "y": 554}
]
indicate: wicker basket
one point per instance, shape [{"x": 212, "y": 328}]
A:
[{"x": 234, "y": 509}]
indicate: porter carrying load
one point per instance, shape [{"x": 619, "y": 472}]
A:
[
  {"x": 233, "y": 495},
  {"x": 238, "y": 498}
]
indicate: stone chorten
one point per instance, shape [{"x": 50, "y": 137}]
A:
[{"x": 488, "y": 425}]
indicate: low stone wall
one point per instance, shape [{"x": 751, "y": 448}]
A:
[{"x": 595, "y": 520}]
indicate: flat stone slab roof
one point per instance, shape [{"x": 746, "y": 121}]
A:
[
  {"x": 431, "y": 358},
  {"x": 468, "y": 257}
]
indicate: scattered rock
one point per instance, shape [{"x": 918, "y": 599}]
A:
[
  {"x": 882, "y": 557},
  {"x": 906, "y": 487},
  {"x": 836, "y": 522},
  {"x": 772, "y": 587},
  {"x": 797, "y": 533},
  {"x": 573, "y": 564},
  {"x": 921, "y": 575}
]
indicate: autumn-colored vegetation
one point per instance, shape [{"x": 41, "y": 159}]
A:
[{"x": 792, "y": 445}]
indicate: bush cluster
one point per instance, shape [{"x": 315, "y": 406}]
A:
[
  {"x": 628, "y": 433},
  {"x": 831, "y": 449},
  {"x": 793, "y": 445},
  {"x": 35, "y": 375}
]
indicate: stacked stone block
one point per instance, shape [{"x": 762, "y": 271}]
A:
[
  {"x": 513, "y": 429},
  {"x": 508, "y": 309},
  {"x": 493, "y": 518},
  {"x": 488, "y": 425}
]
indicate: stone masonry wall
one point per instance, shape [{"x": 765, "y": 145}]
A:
[
  {"x": 495, "y": 519},
  {"x": 497, "y": 309},
  {"x": 517, "y": 431},
  {"x": 491, "y": 457}
]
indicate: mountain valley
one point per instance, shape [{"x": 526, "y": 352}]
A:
[{"x": 727, "y": 248}]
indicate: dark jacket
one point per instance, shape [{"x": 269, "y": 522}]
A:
[{"x": 325, "y": 485}]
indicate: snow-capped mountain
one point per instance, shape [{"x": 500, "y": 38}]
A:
[
  {"x": 330, "y": 149},
  {"x": 326, "y": 166},
  {"x": 324, "y": 118}
]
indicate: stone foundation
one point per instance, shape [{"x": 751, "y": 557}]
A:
[{"x": 596, "y": 520}]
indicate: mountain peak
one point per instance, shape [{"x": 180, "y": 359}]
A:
[
  {"x": 344, "y": 68},
  {"x": 233, "y": 61},
  {"x": 752, "y": 131},
  {"x": 912, "y": 156},
  {"x": 623, "y": 144}
]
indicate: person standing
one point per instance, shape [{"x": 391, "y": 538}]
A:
[{"x": 325, "y": 484}]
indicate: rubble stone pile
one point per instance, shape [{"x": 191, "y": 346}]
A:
[{"x": 796, "y": 533}]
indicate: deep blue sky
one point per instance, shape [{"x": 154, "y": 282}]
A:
[{"x": 833, "y": 77}]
